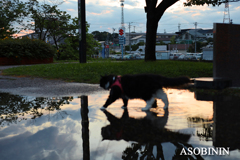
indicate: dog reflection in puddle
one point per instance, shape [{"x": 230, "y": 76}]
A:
[
  {"x": 147, "y": 129},
  {"x": 145, "y": 132}
]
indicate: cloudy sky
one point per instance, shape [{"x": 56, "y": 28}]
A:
[{"x": 103, "y": 15}]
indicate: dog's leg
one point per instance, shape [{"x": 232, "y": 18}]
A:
[
  {"x": 149, "y": 104},
  {"x": 125, "y": 103},
  {"x": 115, "y": 93},
  {"x": 160, "y": 94}
]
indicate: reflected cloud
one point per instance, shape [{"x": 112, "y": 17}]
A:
[{"x": 45, "y": 144}]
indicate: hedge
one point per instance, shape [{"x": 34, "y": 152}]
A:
[{"x": 25, "y": 47}]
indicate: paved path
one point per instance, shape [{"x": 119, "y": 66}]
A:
[{"x": 40, "y": 87}]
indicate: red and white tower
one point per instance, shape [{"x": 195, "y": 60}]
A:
[
  {"x": 122, "y": 18},
  {"x": 226, "y": 16}
]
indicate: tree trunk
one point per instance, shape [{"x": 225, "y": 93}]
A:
[
  {"x": 152, "y": 26},
  {"x": 154, "y": 14}
]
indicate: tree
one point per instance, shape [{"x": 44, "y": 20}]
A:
[
  {"x": 103, "y": 36},
  {"x": 71, "y": 45},
  {"x": 172, "y": 39},
  {"x": 10, "y": 11},
  {"x": 154, "y": 14},
  {"x": 48, "y": 21}
]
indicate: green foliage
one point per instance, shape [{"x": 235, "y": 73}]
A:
[
  {"x": 127, "y": 48},
  {"x": 134, "y": 47},
  {"x": 73, "y": 42},
  {"x": 49, "y": 21},
  {"x": 68, "y": 51},
  {"x": 192, "y": 47},
  {"x": 25, "y": 48},
  {"x": 103, "y": 36},
  {"x": 160, "y": 43},
  {"x": 173, "y": 41},
  {"x": 141, "y": 43},
  {"x": 10, "y": 11},
  {"x": 203, "y": 2},
  {"x": 92, "y": 45}
]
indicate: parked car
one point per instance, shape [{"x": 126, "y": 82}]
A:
[
  {"x": 181, "y": 57},
  {"x": 129, "y": 56},
  {"x": 117, "y": 56},
  {"x": 199, "y": 56},
  {"x": 189, "y": 56},
  {"x": 174, "y": 55},
  {"x": 136, "y": 56}
]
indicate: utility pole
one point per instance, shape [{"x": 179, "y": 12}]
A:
[
  {"x": 195, "y": 36},
  {"x": 179, "y": 29},
  {"x": 113, "y": 37},
  {"x": 129, "y": 39},
  {"x": 123, "y": 28},
  {"x": 82, "y": 31}
]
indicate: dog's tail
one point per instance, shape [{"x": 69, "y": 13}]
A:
[{"x": 171, "y": 82}]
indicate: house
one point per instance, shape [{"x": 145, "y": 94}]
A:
[
  {"x": 48, "y": 39},
  {"x": 161, "y": 52},
  {"x": 187, "y": 36},
  {"x": 208, "y": 52},
  {"x": 208, "y": 33},
  {"x": 138, "y": 39},
  {"x": 180, "y": 48},
  {"x": 135, "y": 38}
]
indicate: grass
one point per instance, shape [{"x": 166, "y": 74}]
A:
[{"x": 91, "y": 72}]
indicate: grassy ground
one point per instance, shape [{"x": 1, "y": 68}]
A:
[{"x": 91, "y": 72}]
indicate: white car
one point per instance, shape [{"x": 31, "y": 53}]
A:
[
  {"x": 181, "y": 56},
  {"x": 117, "y": 56}
]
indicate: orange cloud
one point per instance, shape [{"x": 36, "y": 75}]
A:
[
  {"x": 23, "y": 32},
  {"x": 71, "y": 10},
  {"x": 102, "y": 13},
  {"x": 196, "y": 14}
]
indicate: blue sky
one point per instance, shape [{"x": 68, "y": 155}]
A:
[{"x": 103, "y": 15}]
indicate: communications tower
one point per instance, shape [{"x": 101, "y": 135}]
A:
[
  {"x": 122, "y": 18},
  {"x": 226, "y": 16}
]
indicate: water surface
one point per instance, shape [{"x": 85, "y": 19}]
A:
[{"x": 69, "y": 128}]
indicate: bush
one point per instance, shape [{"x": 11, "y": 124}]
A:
[
  {"x": 67, "y": 52},
  {"x": 26, "y": 47}
]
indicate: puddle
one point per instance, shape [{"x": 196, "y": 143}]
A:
[{"x": 69, "y": 128}]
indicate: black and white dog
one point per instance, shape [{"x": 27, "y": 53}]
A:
[{"x": 143, "y": 86}]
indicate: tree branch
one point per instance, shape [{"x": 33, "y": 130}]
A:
[{"x": 163, "y": 6}]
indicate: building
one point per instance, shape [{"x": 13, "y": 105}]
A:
[
  {"x": 208, "y": 52},
  {"x": 188, "y": 36},
  {"x": 141, "y": 37}
]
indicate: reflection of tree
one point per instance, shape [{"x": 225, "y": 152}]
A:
[
  {"x": 148, "y": 134},
  {"x": 14, "y": 108},
  {"x": 207, "y": 129}
]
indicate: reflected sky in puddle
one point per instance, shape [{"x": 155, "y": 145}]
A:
[{"x": 56, "y": 127}]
